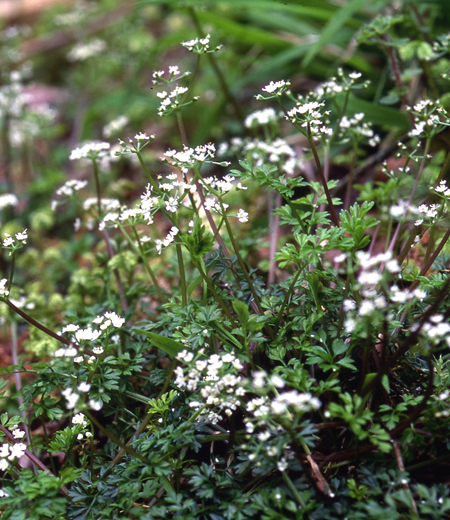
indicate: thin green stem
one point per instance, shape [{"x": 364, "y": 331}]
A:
[
  {"x": 293, "y": 489},
  {"x": 247, "y": 350},
  {"x": 116, "y": 440},
  {"x": 220, "y": 77},
  {"x": 214, "y": 293},
  {"x": 323, "y": 181},
  {"x": 144, "y": 422},
  {"x": 184, "y": 295},
  {"x": 348, "y": 191},
  {"x": 11, "y": 271},
  {"x": 140, "y": 251},
  {"x": 240, "y": 259},
  {"x": 287, "y": 297},
  {"x": 97, "y": 188}
]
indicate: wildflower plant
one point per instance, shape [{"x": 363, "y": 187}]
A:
[{"x": 239, "y": 338}]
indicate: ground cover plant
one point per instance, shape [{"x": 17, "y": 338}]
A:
[{"x": 224, "y": 275}]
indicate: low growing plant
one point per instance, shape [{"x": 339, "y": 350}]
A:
[{"x": 181, "y": 378}]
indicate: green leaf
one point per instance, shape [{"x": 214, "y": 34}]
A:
[
  {"x": 241, "y": 309},
  {"x": 194, "y": 284},
  {"x": 332, "y": 28},
  {"x": 167, "y": 345}
]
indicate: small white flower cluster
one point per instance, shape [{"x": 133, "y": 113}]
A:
[
  {"x": 90, "y": 150},
  {"x": 242, "y": 216},
  {"x": 8, "y": 199},
  {"x": 171, "y": 205},
  {"x": 171, "y": 101},
  {"x": 428, "y": 211},
  {"x": 109, "y": 319},
  {"x": 200, "y": 45},
  {"x": 261, "y": 117},
  {"x": 220, "y": 387},
  {"x": 335, "y": 86},
  {"x": 115, "y": 126},
  {"x": 172, "y": 182},
  {"x": 274, "y": 89},
  {"x": 147, "y": 207},
  {"x": 70, "y": 187},
  {"x": 11, "y": 452},
  {"x": 72, "y": 400},
  {"x": 398, "y": 295},
  {"x": 79, "y": 419},
  {"x": 443, "y": 189},
  {"x": 276, "y": 152},
  {"x": 159, "y": 244},
  {"x": 13, "y": 99},
  {"x": 309, "y": 117},
  {"x": 149, "y": 204},
  {"x": 174, "y": 75},
  {"x": 368, "y": 276},
  {"x": 190, "y": 156},
  {"x": 106, "y": 204},
  {"x": 283, "y": 404},
  {"x": 428, "y": 122},
  {"x": 356, "y": 128},
  {"x": 20, "y": 240},
  {"x": 84, "y": 51},
  {"x": 107, "y": 322},
  {"x": 435, "y": 329},
  {"x": 220, "y": 186},
  {"x": 211, "y": 204},
  {"x": 142, "y": 140},
  {"x": 400, "y": 209},
  {"x": 3, "y": 287},
  {"x": 372, "y": 300}
]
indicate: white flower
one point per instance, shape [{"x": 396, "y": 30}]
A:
[
  {"x": 350, "y": 325},
  {"x": 83, "y": 51},
  {"x": 282, "y": 465},
  {"x": 260, "y": 117},
  {"x": 91, "y": 149},
  {"x": 242, "y": 216},
  {"x": 115, "y": 126},
  {"x": 3, "y": 290},
  {"x": 84, "y": 387},
  {"x": 95, "y": 405},
  {"x": 366, "y": 308},
  {"x": 4, "y": 450},
  {"x": 276, "y": 86},
  {"x": 71, "y": 397},
  {"x": 142, "y": 136},
  {"x": 392, "y": 266},
  {"x": 277, "y": 381},
  {"x": 171, "y": 205},
  {"x": 369, "y": 278},
  {"x": 87, "y": 334},
  {"x": 17, "y": 450},
  {"x": 79, "y": 418},
  {"x": 8, "y": 241},
  {"x": 8, "y": 199},
  {"x": 18, "y": 434},
  {"x": 349, "y": 305}
]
